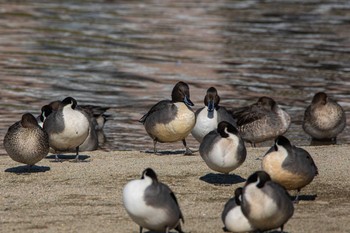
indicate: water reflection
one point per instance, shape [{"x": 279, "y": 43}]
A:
[{"x": 128, "y": 55}]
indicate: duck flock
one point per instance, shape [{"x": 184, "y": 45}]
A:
[{"x": 262, "y": 204}]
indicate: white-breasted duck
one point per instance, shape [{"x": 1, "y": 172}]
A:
[
  {"x": 209, "y": 116},
  {"x": 266, "y": 204},
  {"x": 223, "y": 149},
  {"x": 68, "y": 127},
  {"x": 233, "y": 217},
  {"x": 152, "y": 204}
]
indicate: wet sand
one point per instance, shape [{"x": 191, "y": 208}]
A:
[{"x": 86, "y": 196}]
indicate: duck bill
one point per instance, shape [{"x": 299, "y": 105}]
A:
[
  {"x": 211, "y": 106},
  {"x": 211, "y": 109},
  {"x": 188, "y": 102}
]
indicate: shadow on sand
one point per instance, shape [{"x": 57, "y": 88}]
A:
[
  {"x": 62, "y": 158},
  {"x": 26, "y": 169},
  {"x": 173, "y": 231},
  {"x": 222, "y": 179},
  {"x": 323, "y": 142},
  {"x": 170, "y": 152},
  {"x": 305, "y": 197}
]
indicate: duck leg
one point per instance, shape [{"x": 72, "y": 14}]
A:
[
  {"x": 282, "y": 228},
  {"x": 296, "y": 200},
  {"x": 334, "y": 140},
  {"x": 252, "y": 144},
  {"x": 56, "y": 158},
  {"x": 77, "y": 154},
  {"x": 155, "y": 146},
  {"x": 178, "y": 228},
  {"x": 188, "y": 151}
]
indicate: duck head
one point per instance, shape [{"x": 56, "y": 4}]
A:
[{"x": 181, "y": 93}]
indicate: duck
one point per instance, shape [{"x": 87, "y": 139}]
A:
[
  {"x": 265, "y": 203},
  {"x": 46, "y": 110},
  {"x": 26, "y": 142},
  {"x": 97, "y": 118},
  {"x": 290, "y": 166},
  {"x": 324, "y": 118},
  {"x": 171, "y": 120},
  {"x": 152, "y": 204},
  {"x": 232, "y": 216},
  {"x": 223, "y": 149},
  {"x": 261, "y": 121},
  {"x": 209, "y": 116},
  {"x": 68, "y": 127},
  {"x": 98, "y": 113}
]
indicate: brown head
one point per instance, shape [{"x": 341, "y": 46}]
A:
[
  {"x": 212, "y": 99},
  {"x": 320, "y": 98},
  {"x": 29, "y": 121},
  {"x": 181, "y": 93}
]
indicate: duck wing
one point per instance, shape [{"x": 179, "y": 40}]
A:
[
  {"x": 303, "y": 154},
  {"x": 248, "y": 114},
  {"x": 230, "y": 204},
  {"x": 155, "y": 108},
  {"x": 225, "y": 115},
  {"x": 172, "y": 195},
  {"x": 94, "y": 109}
]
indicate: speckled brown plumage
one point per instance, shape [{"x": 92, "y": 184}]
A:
[{"x": 26, "y": 142}]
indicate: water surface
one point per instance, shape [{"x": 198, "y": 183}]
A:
[{"x": 129, "y": 54}]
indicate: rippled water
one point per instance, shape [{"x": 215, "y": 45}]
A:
[{"x": 129, "y": 54}]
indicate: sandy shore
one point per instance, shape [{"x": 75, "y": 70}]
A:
[{"x": 86, "y": 196}]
